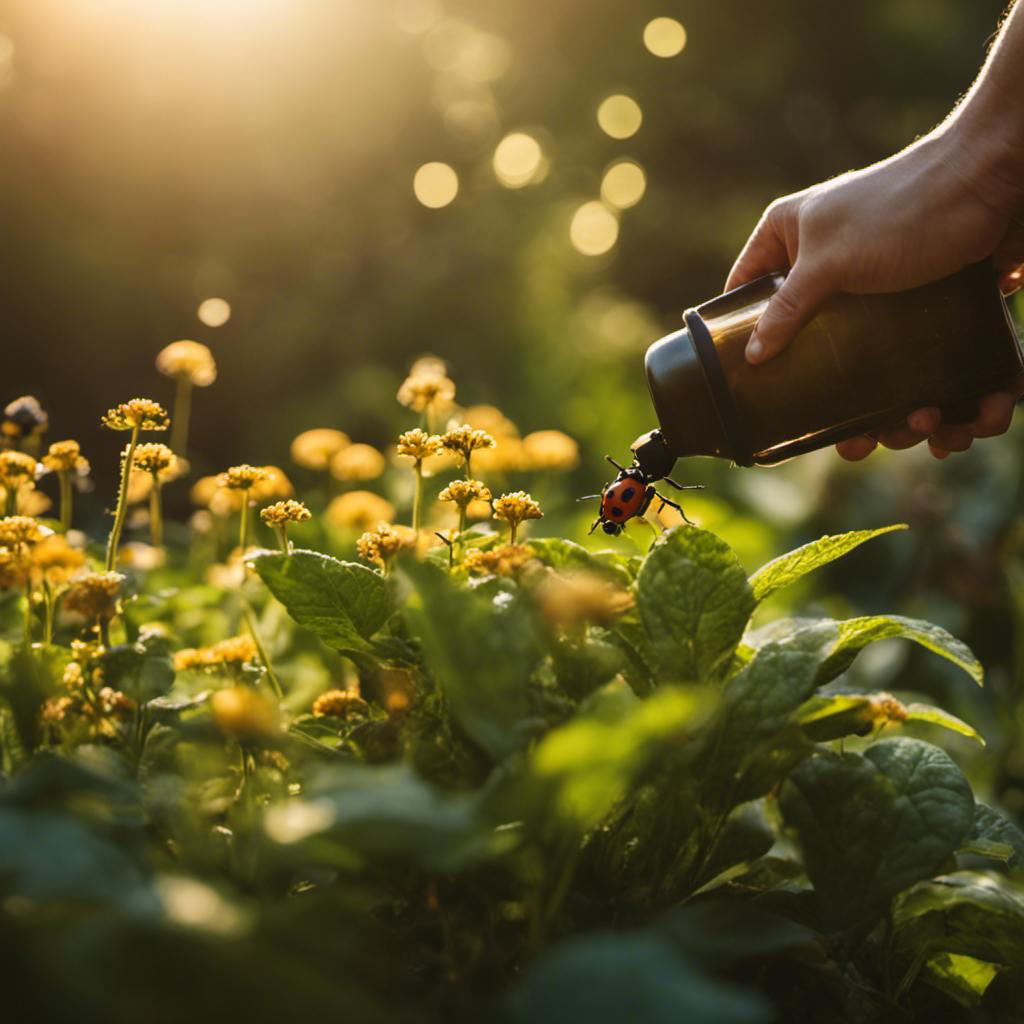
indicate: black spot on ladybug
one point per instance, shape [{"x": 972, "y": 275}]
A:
[
  {"x": 628, "y": 493},
  {"x": 616, "y": 511}
]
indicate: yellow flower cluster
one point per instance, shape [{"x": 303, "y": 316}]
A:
[
  {"x": 138, "y": 413},
  {"x": 16, "y": 468},
  {"x": 156, "y": 459},
  {"x": 513, "y": 560},
  {"x": 464, "y": 440},
  {"x": 338, "y": 704},
  {"x": 516, "y": 507},
  {"x": 419, "y": 445},
  {"x": 572, "y": 598},
  {"x": 381, "y": 544},
  {"x": 240, "y": 711},
  {"x": 95, "y": 595},
  {"x": 359, "y": 510},
  {"x": 24, "y": 419},
  {"x": 284, "y": 512},
  {"x": 66, "y": 457},
  {"x": 242, "y": 478},
  {"x": 21, "y": 531},
  {"x": 462, "y": 492},
  {"x": 357, "y": 462},
  {"x": 314, "y": 449},
  {"x": 189, "y": 359},
  {"x": 424, "y": 390},
  {"x": 233, "y": 653}
]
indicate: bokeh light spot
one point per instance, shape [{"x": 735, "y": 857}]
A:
[
  {"x": 623, "y": 184},
  {"x": 214, "y": 312},
  {"x": 594, "y": 229},
  {"x": 417, "y": 16},
  {"x": 664, "y": 37},
  {"x": 619, "y": 116},
  {"x": 517, "y": 159},
  {"x": 435, "y": 185}
]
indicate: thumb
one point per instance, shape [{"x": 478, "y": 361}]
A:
[{"x": 791, "y": 308}]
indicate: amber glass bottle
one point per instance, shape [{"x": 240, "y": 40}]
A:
[{"x": 863, "y": 363}]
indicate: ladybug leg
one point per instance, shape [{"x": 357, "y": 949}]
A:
[
  {"x": 649, "y": 495},
  {"x": 594, "y": 525},
  {"x": 664, "y": 501},
  {"x": 684, "y": 486}
]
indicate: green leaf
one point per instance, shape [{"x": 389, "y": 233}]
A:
[
  {"x": 936, "y": 716},
  {"x": 352, "y": 814},
  {"x": 873, "y": 825},
  {"x": 482, "y": 653},
  {"x": 746, "y": 835},
  {"x": 786, "y": 569},
  {"x": 992, "y": 827},
  {"x": 756, "y": 706},
  {"x": 342, "y": 603},
  {"x": 609, "y": 977},
  {"x": 856, "y": 634},
  {"x": 564, "y": 555},
  {"x": 961, "y": 977},
  {"x": 583, "y": 768},
  {"x": 695, "y": 602}
]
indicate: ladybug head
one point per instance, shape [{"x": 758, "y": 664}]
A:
[{"x": 611, "y": 528}]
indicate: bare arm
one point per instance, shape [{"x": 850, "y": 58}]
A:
[{"x": 953, "y": 197}]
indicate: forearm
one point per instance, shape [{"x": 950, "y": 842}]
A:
[{"x": 986, "y": 129}]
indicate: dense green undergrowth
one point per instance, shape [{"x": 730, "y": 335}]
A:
[{"x": 576, "y": 787}]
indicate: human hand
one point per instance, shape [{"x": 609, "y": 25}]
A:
[{"x": 895, "y": 225}]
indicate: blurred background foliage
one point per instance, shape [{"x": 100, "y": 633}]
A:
[{"x": 322, "y": 190}]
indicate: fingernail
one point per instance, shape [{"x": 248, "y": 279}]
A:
[{"x": 754, "y": 349}]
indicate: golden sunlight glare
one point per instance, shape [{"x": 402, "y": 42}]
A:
[
  {"x": 664, "y": 37},
  {"x": 594, "y": 229},
  {"x": 518, "y": 159},
  {"x": 619, "y": 116},
  {"x": 623, "y": 184},
  {"x": 214, "y": 312},
  {"x": 435, "y": 185}
]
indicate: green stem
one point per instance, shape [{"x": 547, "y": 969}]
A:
[
  {"x": 104, "y": 628},
  {"x": 122, "y": 501},
  {"x": 156, "y": 522},
  {"x": 10, "y": 500},
  {"x": 282, "y": 538},
  {"x": 28, "y": 615},
  {"x": 250, "y": 621},
  {"x": 182, "y": 409},
  {"x": 49, "y": 609},
  {"x": 512, "y": 536},
  {"x": 65, "y": 499},
  {"x": 417, "y": 501},
  {"x": 243, "y": 532}
]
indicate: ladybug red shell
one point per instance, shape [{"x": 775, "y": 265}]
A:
[{"x": 624, "y": 497}]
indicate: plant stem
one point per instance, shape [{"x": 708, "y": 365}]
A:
[
  {"x": 50, "y": 607},
  {"x": 182, "y": 408},
  {"x": 282, "y": 538},
  {"x": 10, "y": 501},
  {"x": 122, "y": 501},
  {"x": 417, "y": 500},
  {"x": 250, "y": 621},
  {"x": 243, "y": 532},
  {"x": 28, "y": 615},
  {"x": 156, "y": 522},
  {"x": 65, "y": 499}
]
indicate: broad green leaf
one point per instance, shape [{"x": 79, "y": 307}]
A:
[
  {"x": 991, "y": 826},
  {"x": 610, "y": 977},
  {"x": 872, "y": 825},
  {"x": 584, "y": 767},
  {"x": 971, "y": 913},
  {"x": 695, "y": 602},
  {"x": 350, "y": 815},
  {"x": 961, "y": 977},
  {"x": 342, "y": 603},
  {"x": 482, "y": 653},
  {"x": 856, "y": 634},
  {"x": 936, "y": 716},
  {"x": 756, "y": 706},
  {"x": 746, "y": 835},
  {"x": 565, "y": 555},
  {"x": 788, "y": 568}
]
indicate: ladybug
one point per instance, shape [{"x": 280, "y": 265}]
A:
[{"x": 632, "y": 491}]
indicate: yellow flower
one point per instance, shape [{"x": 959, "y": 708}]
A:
[
  {"x": 273, "y": 486},
  {"x": 581, "y": 597},
  {"x": 381, "y": 544},
  {"x": 154, "y": 459},
  {"x": 508, "y": 456},
  {"x": 429, "y": 366},
  {"x": 463, "y": 492},
  {"x": 95, "y": 595},
  {"x": 138, "y": 413},
  {"x": 463, "y": 441},
  {"x": 551, "y": 449},
  {"x": 56, "y": 560},
  {"x": 359, "y": 510},
  {"x": 65, "y": 457},
  {"x": 234, "y": 652},
  {"x": 515, "y": 508},
  {"x": 21, "y": 530},
  {"x": 357, "y": 462},
  {"x": 422, "y": 391},
  {"x": 30, "y": 502},
  {"x": 313, "y": 449},
  {"x": 15, "y": 568},
  {"x": 338, "y": 704},
  {"x": 16, "y": 468},
  {"x": 189, "y": 359},
  {"x": 242, "y": 478},
  {"x": 419, "y": 445},
  {"x": 508, "y": 560},
  {"x": 285, "y": 512},
  {"x": 115, "y": 704},
  {"x": 241, "y": 711}
]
